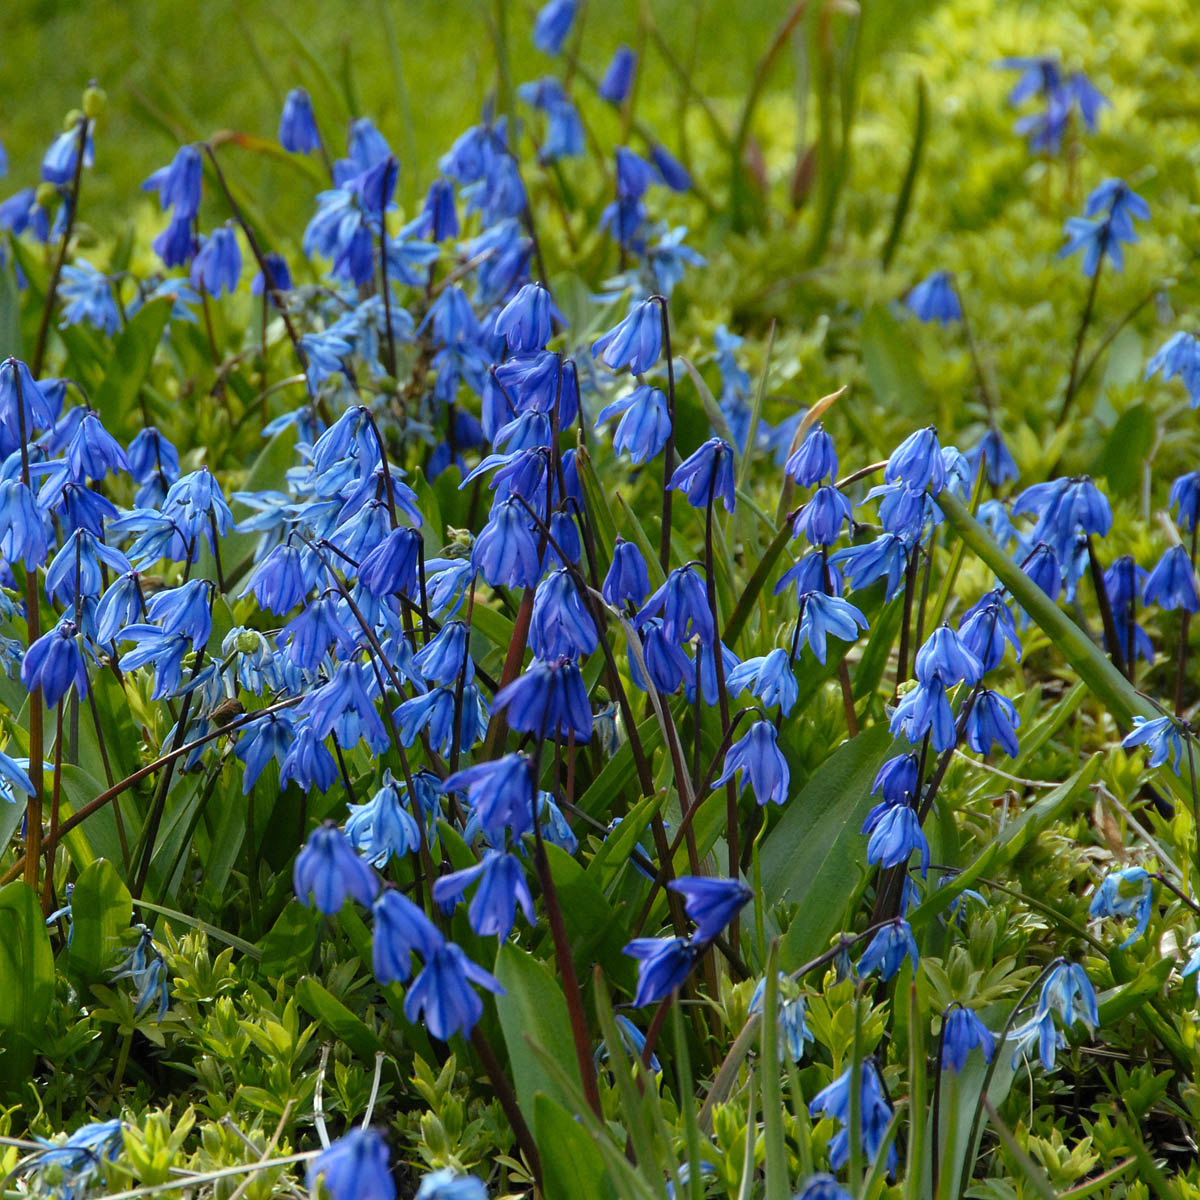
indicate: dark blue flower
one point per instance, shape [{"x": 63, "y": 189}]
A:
[
  {"x": 447, "y": 1184},
  {"x": 434, "y": 712},
  {"x": 500, "y": 794},
  {"x": 552, "y": 25},
  {"x": 706, "y": 475},
  {"x": 663, "y": 965},
  {"x": 992, "y": 719},
  {"x": 443, "y": 994},
  {"x": 1179, "y": 355},
  {"x": 1099, "y": 235},
  {"x": 13, "y": 777},
  {"x": 560, "y": 625},
  {"x": 1172, "y": 583},
  {"x": 343, "y": 706},
  {"x": 962, "y": 1032},
  {"x": 526, "y": 321},
  {"x": 985, "y": 627},
  {"x": 1185, "y": 496},
  {"x": 1162, "y": 736},
  {"x": 218, "y": 263},
  {"x": 627, "y": 581},
  {"x": 439, "y": 217},
  {"x": 177, "y": 243},
  {"x": 917, "y": 462},
  {"x": 645, "y": 423},
  {"x": 682, "y": 602},
  {"x": 821, "y": 519},
  {"x": 635, "y": 342},
  {"x": 184, "y": 611},
  {"x": 1068, "y": 992},
  {"x": 884, "y": 558},
  {"x": 895, "y": 832},
  {"x": 506, "y": 550},
  {"x": 1065, "y": 507},
  {"x": 874, "y": 1114},
  {"x": 400, "y": 928},
  {"x": 261, "y": 741},
  {"x": 758, "y": 757},
  {"x": 710, "y": 903},
  {"x": 770, "y": 678},
  {"x": 1123, "y": 894},
  {"x": 297, "y": 126},
  {"x": 54, "y": 662},
  {"x": 548, "y": 700},
  {"x": 618, "y": 79},
  {"x": 280, "y": 276},
  {"x": 946, "y": 660},
  {"x": 925, "y": 709},
  {"x": 822, "y": 615},
  {"x": 935, "y": 299},
  {"x": 383, "y": 827},
  {"x": 354, "y": 1167},
  {"x": 815, "y": 458},
  {"x": 502, "y": 886},
  {"x": 993, "y": 454},
  {"x": 328, "y": 870},
  {"x": 22, "y": 526},
  {"x": 308, "y": 763},
  {"x": 392, "y": 567},
  {"x": 897, "y": 779},
  {"x": 888, "y": 949},
  {"x": 179, "y": 184},
  {"x": 673, "y": 173},
  {"x": 89, "y": 297},
  {"x": 668, "y": 666}
]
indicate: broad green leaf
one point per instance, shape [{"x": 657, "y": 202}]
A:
[
  {"x": 132, "y": 354},
  {"x": 572, "y": 1165},
  {"x": 337, "y": 1019},
  {"x": 1121, "y": 460},
  {"x": 813, "y": 858},
  {"x": 101, "y": 909},
  {"x": 26, "y": 980},
  {"x": 288, "y": 944},
  {"x": 532, "y": 1009},
  {"x": 1121, "y": 1001}
]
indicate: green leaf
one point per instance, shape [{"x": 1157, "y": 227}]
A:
[
  {"x": 326, "y": 1008},
  {"x": 533, "y": 1010},
  {"x": 132, "y": 354},
  {"x": 1129, "y": 997},
  {"x": 1121, "y": 460},
  {"x": 572, "y": 1165},
  {"x": 890, "y": 364},
  {"x": 101, "y": 909},
  {"x": 289, "y": 943},
  {"x": 904, "y": 195},
  {"x": 26, "y": 980},
  {"x": 813, "y": 856}
]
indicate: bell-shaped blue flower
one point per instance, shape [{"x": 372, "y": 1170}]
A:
[
  {"x": 628, "y": 580},
  {"x": 502, "y": 886},
  {"x": 706, "y": 475},
  {"x": 54, "y": 662},
  {"x": 298, "y": 132},
  {"x": 710, "y": 903},
  {"x": 874, "y": 1114},
  {"x": 1179, "y": 355},
  {"x": 945, "y": 659},
  {"x": 443, "y": 993},
  {"x": 758, "y": 757},
  {"x": 663, "y": 965},
  {"x": 400, "y": 928},
  {"x": 822, "y": 615},
  {"x": 618, "y": 78},
  {"x": 635, "y": 342},
  {"x": 962, "y": 1032},
  {"x": 895, "y": 832},
  {"x": 917, "y": 462},
  {"x": 548, "y": 700},
  {"x": 329, "y": 871},
  {"x": 683, "y": 604},
  {"x": 992, "y": 719},
  {"x": 383, "y": 827},
  {"x": 769, "y": 677},
  {"x": 1172, "y": 583},
  {"x": 935, "y": 299},
  {"x": 218, "y": 263},
  {"x": 179, "y": 184},
  {"x": 526, "y": 321},
  {"x": 821, "y": 519},
  {"x": 925, "y": 709},
  {"x": 888, "y": 949},
  {"x": 645, "y": 423},
  {"x": 552, "y": 25},
  {"x": 354, "y": 1167},
  {"x": 560, "y": 625},
  {"x": 995, "y": 457},
  {"x": 1124, "y": 894},
  {"x": 815, "y": 458}
]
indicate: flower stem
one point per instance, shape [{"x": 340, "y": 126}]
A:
[
  {"x": 1084, "y": 321},
  {"x": 664, "y": 539}
]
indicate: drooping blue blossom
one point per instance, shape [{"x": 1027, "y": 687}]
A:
[
  {"x": 672, "y": 172},
  {"x": 23, "y": 536},
  {"x": 706, "y": 475},
  {"x": 526, "y": 321},
  {"x": 895, "y": 832},
  {"x": 54, "y": 662},
  {"x": 666, "y": 663},
  {"x": 560, "y": 625},
  {"x": 645, "y": 423},
  {"x": 822, "y": 615},
  {"x": 548, "y": 700},
  {"x": 793, "y": 1010},
  {"x": 663, "y": 965},
  {"x": 925, "y": 709},
  {"x": 814, "y": 459},
  {"x": 710, "y": 903},
  {"x": 682, "y": 602},
  {"x": 443, "y": 993},
  {"x": 278, "y": 276},
  {"x": 298, "y": 133},
  {"x": 261, "y": 741},
  {"x": 628, "y": 580},
  {"x": 1110, "y": 211},
  {"x": 68, "y": 1168},
  {"x": 935, "y": 299},
  {"x": 635, "y": 342},
  {"x": 896, "y": 780},
  {"x": 1172, "y": 582},
  {"x": 770, "y": 677},
  {"x": 552, "y": 25},
  {"x": 1064, "y": 507},
  {"x": 761, "y": 763},
  {"x": 888, "y": 949},
  {"x": 179, "y": 184},
  {"x": 992, "y": 719},
  {"x": 962, "y": 1032},
  {"x": 1179, "y": 355},
  {"x": 88, "y": 297},
  {"x": 1185, "y": 498},
  {"x": 874, "y": 1114},
  {"x": 821, "y": 519},
  {"x": 329, "y": 871},
  {"x": 1124, "y": 894},
  {"x": 885, "y": 558},
  {"x": 383, "y": 826},
  {"x": 996, "y": 460},
  {"x": 354, "y": 1167},
  {"x": 945, "y": 660},
  {"x": 308, "y": 763},
  {"x": 1162, "y": 736},
  {"x": 822, "y": 1186},
  {"x": 218, "y": 263},
  {"x": 502, "y": 887},
  {"x": 400, "y": 928},
  {"x": 448, "y": 1184},
  {"x": 917, "y": 462},
  {"x": 986, "y": 626},
  {"x": 618, "y": 78},
  {"x": 343, "y": 706}
]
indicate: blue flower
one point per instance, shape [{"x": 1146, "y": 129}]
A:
[
  {"x": 383, "y": 827},
  {"x": 560, "y": 625},
  {"x": 392, "y": 567},
  {"x": 400, "y": 928},
  {"x": 1069, "y": 992},
  {"x": 645, "y": 423},
  {"x": 54, "y": 662},
  {"x": 1179, "y": 355},
  {"x": 627, "y": 581},
  {"x": 793, "y": 1009},
  {"x": 770, "y": 678},
  {"x": 710, "y": 903},
  {"x": 184, "y": 611},
  {"x": 434, "y": 712},
  {"x": 526, "y": 321},
  {"x": 443, "y": 994},
  {"x": 1123, "y": 894},
  {"x": 89, "y": 297},
  {"x": 668, "y": 666},
  {"x": 683, "y": 603},
  {"x": 22, "y": 526},
  {"x": 994, "y": 455},
  {"x": 1097, "y": 235},
  {"x": 935, "y": 299},
  {"x": 1162, "y": 735},
  {"x": 500, "y": 794},
  {"x": 897, "y": 779},
  {"x": 548, "y": 700},
  {"x": 985, "y": 627},
  {"x": 218, "y": 263},
  {"x": 446, "y": 656},
  {"x": 814, "y": 459},
  {"x": 895, "y": 832},
  {"x": 925, "y": 709},
  {"x": 179, "y": 184},
  {"x": 1172, "y": 583},
  {"x": 888, "y": 949},
  {"x": 447, "y": 1184},
  {"x": 552, "y": 25},
  {"x": 962, "y": 1032},
  {"x": 280, "y": 276},
  {"x": 145, "y": 967},
  {"x": 13, "y": 777},
  {"x": 618, "y": 78},
  {"x": 308, "y": 763},
  {"x": 874, "y": 1114},
  {"x": 506, "y": 550},
  {"x": 992, "y": 718},
  {"x": 343, "y": 706},
  {"x": 917, "y": 462},
  {"x": 706, "y": 475},
  {"x": 177, "y": 243},
  {"x": 884, "y": 558},
  {"x": 822, "y": 1186},
  {"x": 1041, "y": 1031},
  {"x": 259, "y": 742},
  {"x": 74, "y": 1163},
  {"x": 672, "y": 172},
  {"x": 329, "y": 870},
  {"x": 758, "y": 757},
  {"x": 298, "y": 132},
  {"x": 821, "y": 519},
  {"x": 1185, "y": 496},
  {"x": 501, "y": 887},
  {"x": 945, "y": 660},
  {"x": 1193, "y": 962},
  {"x": 1043, "y": 567},
  {"x": 1065, "y": 507},
  {"x": 635, "y": 342},
  {"x": 663, "y": 965},
  {"x": 822, "y": 615},
  {"x": 354, "y": 1167}
]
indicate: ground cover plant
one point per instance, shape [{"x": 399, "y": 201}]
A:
[{"x": 652, "y": 660}]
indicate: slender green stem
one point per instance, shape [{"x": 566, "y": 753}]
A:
[{"x": 1084, "y": 321}]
